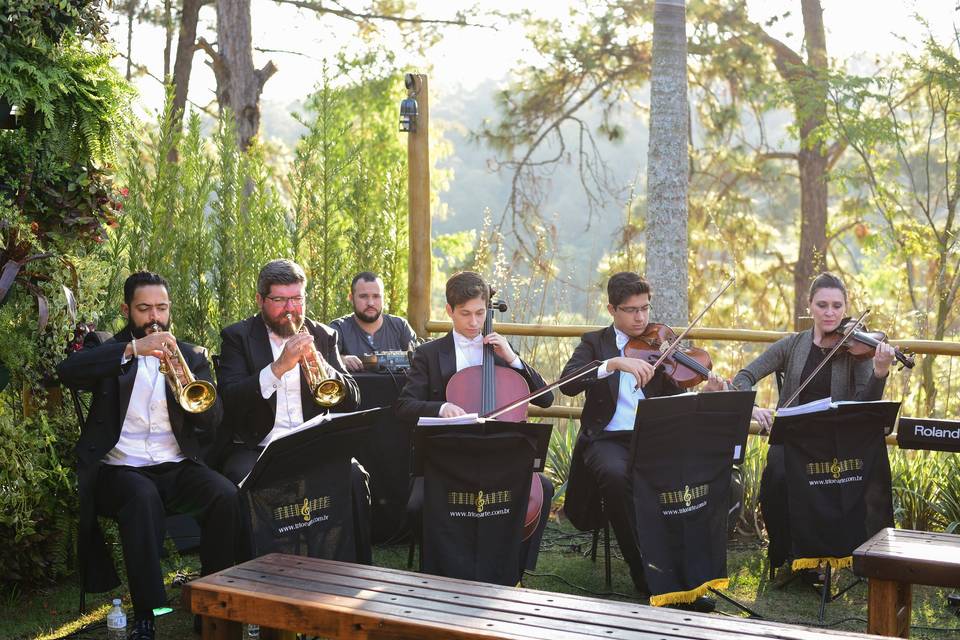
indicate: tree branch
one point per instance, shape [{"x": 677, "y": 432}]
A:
[
  {"x": 356, "y": 16},
  {"x": 142, "y": 69}
]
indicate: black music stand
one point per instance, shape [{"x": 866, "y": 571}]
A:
[
  {"x": 385, "y": 455},
  {"x": 681, "y": 456},
  {"x": 297, "y": 497},
  {"x": 476, "y": 484},
  {"x": 838, "y": 481}
]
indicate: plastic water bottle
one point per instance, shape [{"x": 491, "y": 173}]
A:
[
  {"x": 116, "y": 622},
  {"x": 253, "y": 632}
]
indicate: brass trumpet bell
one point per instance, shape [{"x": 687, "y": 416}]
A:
[
  {"x": 329, "y": 392},
  {"x": 195, "y": 396},
  {"x": 325, "y": 390}
]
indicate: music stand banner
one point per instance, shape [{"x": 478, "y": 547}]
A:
[
  {"x": 297, "y": 498},
  {"x": 476, "y": 487},
  {"x": 682, "y": 454},
  {"x": 838, "y": 479}
]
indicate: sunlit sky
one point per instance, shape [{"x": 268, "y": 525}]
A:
[{"x": 469, "y": 56}]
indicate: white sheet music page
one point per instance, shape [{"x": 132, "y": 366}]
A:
[{"x": 467, "y": 418}]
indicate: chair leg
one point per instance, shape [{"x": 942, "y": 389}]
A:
[
  {"x": 593, "y": 547},
  {"x": 608, "y": 581}
]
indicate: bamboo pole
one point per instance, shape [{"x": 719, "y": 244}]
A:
[
  {"x": 418, "y": 184},
  {"x": 933, "y": 347}
]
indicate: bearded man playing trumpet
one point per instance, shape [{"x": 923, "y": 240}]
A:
[
  {"x": 138, "y": 455},
  {"x": 277, "y": 370}
]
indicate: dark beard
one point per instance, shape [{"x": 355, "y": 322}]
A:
[
  {"x": 284, "y": 329},
  {"x": 363, "y": 318},
  {"x": 141, "y": 332}
]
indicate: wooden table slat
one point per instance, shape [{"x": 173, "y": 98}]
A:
[
  {"x": 342, "y": 600},
  {"x": 571, "y": 608}
]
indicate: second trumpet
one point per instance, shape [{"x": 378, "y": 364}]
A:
[{"x": 325, "y": 389}]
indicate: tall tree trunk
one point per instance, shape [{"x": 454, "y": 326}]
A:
[
  {"x": 131, "y": 14},
  {"x": 239, "y": 84},
  {"x": 186, "y": 47},
  {"x": 668, "y": 164},
  {"x": 810, "y": 104},
  {"x": 806, "y": 80},
  {"x": 168, "y": 37}
]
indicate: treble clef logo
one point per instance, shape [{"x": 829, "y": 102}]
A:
[
  {"x": 835, "y": 468},
  {"x": 480, "y": 502},
  {"x": 687, "y": 496},
  {"x": 305, "y": 510}
]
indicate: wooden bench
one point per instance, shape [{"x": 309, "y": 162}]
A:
[
  {"x": 896, "y": 559},
  {"x": 339, "y": 600}
]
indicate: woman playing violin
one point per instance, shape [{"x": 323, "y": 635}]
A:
[
  {"x": 841, "y": 378},
  {"x": 612, "y": 396}
]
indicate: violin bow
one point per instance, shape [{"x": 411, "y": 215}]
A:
[
  {"x": 854, "y": 326},
  {"x": 676, "y": 343},
  {"x": 582, "y": 371}
]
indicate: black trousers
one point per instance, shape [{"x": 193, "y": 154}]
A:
[
  {"x": 138, "y": 498},
  {"x": 529, "y": 548},
  {"x": 607, "y": 457},
  {"x": 241, "y": 459}
]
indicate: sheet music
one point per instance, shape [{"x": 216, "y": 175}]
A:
[
  {"x": 467, "y": 418},
  {"x": 312, "y": 422},
  {"x": 822, "y": 404}
]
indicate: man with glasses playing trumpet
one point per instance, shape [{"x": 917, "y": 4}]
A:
[
  {"x": 138, "y": 452},
  {"x": 279, "y": 369}
]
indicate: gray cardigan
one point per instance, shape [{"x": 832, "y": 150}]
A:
[{"x": 850, "y": 379}]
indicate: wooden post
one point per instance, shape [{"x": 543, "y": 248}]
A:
[{"x": 418, "y": 181}]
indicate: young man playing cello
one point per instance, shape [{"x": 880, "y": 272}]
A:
[
  {"x": 609, "y": 411},
  {"x": 435, "y": 362}
]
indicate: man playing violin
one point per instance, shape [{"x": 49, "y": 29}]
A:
[
  {"x": 841, "y": 378},
  {"x": 435, "y": 362},
  {"x": 612, "y": 400}
]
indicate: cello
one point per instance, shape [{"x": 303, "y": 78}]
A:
[{"x": 483, "y": 388}]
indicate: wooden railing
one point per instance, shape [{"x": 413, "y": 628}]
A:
[{"x": 931, "y": 347}]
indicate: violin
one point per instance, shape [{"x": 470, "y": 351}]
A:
[
  {"x": 686, "y": 366},
  {"x": 483, "y": 388},
  {"x": 862, "y": 345}
]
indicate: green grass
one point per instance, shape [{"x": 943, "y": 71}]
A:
[{"x": 564, "y": 566}]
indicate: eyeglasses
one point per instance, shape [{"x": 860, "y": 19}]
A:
[
  {"x": 282, "y": 301},
  {"x": 632, "y": 311}
]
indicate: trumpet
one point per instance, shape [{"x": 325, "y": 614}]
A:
[
  {"x": 325, "y": 390},
  {"x": 195, "y": 396}
]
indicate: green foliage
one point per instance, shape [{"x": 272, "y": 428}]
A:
[
  {"x": 209, "y": 221},
  {"x": 348, "y": 190},
  {"x": 56, "y": 199}
]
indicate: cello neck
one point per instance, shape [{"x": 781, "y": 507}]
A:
[{"x": 489, "y": 390}]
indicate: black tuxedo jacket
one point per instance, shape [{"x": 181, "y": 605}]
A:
[
  {"x": 244, "y": 352},
  {"x": 97, "y": 368},
  {"x": 582, "y": 502},
  {"x": 434, "y": 363}
]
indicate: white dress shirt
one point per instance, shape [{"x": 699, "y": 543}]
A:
[
  {"x": 287, "y": 387},
  {"x": 626, "y": 412},
  {"x": 470, "y": 354},
  {"x": 146, "y": 437}
]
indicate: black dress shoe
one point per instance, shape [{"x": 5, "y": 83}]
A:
[
  {"x": 703, "y": 604},
  {"x": 143, "y": 629}
]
